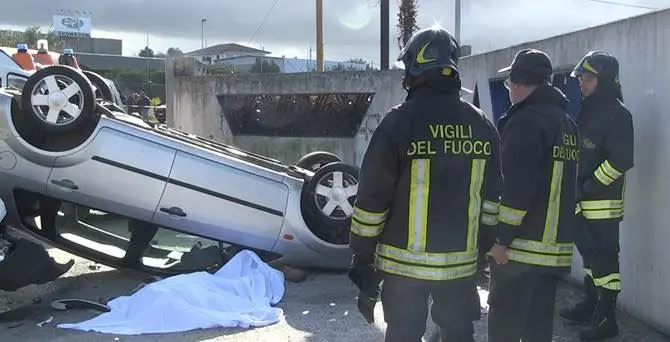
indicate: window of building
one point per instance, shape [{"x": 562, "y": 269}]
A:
[{"x": 299, "y": 115}]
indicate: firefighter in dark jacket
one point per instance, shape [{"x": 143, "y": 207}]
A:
[
  {"x": 540, "y": 152},
  {"x": 429, "y": 178},
  {"x": 606, "y": 127}
]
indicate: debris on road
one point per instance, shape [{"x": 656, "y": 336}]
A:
[
  {"x": 45, "y": 322},
  {"x": 68, "y": 304}
]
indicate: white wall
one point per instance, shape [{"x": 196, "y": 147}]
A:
[{"x": 642, "y": 45}]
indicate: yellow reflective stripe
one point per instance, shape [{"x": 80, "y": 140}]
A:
[
  {"x": 601, "y": 204},
  {"x": 602, "y": 214},
  {"x": 578, "y": 209},
  {"x": 607, "y": 279},
  {"x": 554, "y": 204},
  {"x": 491, "y": 207},
  {"x": 511, "y": 216},
  {"x": 365, "y": 230},
  {"x": 426, "y": 258},
  {"x": 588, "y": 272},
  {"x": 541, "y": 253},
  {"x": 614, "y": 286},
  {"x": 477, "y": 169},
  {"x": 489, "y": 219},
  {"x": 541, "y": 247},
  {"x": 539, "y": 259},
  {"x": 426, "y": 273},
  {"x": 610, "y": 170},
  {"x": 606, "y": 173},
  {"x": 602, "y": 177},
  {"x": 368, "y": 217},
  {"x": 611, "y": 281},
  {"x": 418, "y": 204},
  {"x": 602, "y": 209}
]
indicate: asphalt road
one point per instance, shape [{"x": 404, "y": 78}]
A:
[{"x": 319, "y": 309}]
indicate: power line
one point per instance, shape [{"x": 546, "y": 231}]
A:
[
  {"x": 263, "y": 21},
  {"x": 623, "y": 4}
]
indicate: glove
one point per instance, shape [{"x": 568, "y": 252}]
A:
[{"x": 367, "y": 280}]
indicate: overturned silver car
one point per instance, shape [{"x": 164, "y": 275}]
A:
[{"x": 84, "y": 176}]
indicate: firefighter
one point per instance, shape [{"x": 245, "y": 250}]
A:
[
  {"x": 539, "y": 154},
  {"x": 429, "y": 177},
  {"x": 606, "y": 127}
]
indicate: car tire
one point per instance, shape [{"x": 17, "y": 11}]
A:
[
  {"x": 76, "y": 106},
  {"x": 315, "y": 160},
  {"x": 103, "y": 91},
  {"x": 328, "y": 200}
]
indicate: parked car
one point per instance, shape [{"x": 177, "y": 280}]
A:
[{"x": 82, "y": 175}]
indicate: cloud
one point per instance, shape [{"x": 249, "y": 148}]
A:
[{"x": 351, "y": 27}]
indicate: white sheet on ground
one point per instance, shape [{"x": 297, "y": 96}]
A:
[{"x": 240, "y": 294}]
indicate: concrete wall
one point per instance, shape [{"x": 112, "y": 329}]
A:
[
  {"x": 95, "y": 45},
  {"x": 193, "y": 106},
  {"x": 641, "y": 45},
  {"x": 97, "y": 61}
]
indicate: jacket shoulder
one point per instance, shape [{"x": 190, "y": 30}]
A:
[
  {"x": 478, "y": 115},
  {"x": 527, "y": 117}
]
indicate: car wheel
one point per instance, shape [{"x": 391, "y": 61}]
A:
[
  {"x": 315, "y": 160},
  {"x": 103, "y": 90},
  {"x": 328, "y": 201},
  {"x": 59, "y": 99}
]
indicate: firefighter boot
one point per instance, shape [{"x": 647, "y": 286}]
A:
[
  {"x": 604, "y": 323},
  {"x": 582, "y": 312}
]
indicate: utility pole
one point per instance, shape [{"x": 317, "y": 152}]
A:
[
  {"x": 384, "y": 34},
  {"x": 457, "y": 21},
  {"x": 319, "y": 35},
  {"x": 202, "y": 32}
]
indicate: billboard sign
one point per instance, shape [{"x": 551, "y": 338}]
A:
[{"x": 71, "y": 26}]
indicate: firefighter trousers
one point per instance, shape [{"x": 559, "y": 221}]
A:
[
  {"x": 455, "y": 305},
  {"x": 598, "y": 243},
  {"x": 521, "y": 303}
]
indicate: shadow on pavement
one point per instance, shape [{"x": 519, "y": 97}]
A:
[{"x": 323, "y": 307}]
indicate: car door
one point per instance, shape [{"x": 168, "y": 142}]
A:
[
  {"x": 216, "y": 200},
  {"x": 118, "y": 172}
]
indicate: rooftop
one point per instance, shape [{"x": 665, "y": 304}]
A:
[{"x": 223, "y": 48}]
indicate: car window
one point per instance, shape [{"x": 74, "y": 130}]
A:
[
  {"x": 5, "y": 59},
  {"x": 121, "y": 238}
]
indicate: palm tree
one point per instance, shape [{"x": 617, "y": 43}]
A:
[{"x": 407, "y": 13}]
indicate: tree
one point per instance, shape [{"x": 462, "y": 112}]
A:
[
  {"x": 174, "y": 52},
  {"x": 407, "y": 14},
  {"x": 30, "y": 36},
  {"x": 219, "y": 69},
  {"x": 263, "y": 66},
  {"x": 357, "y": 61},
  {"x": 146, "y": 52},
  {"x": 338, "y": 67}
]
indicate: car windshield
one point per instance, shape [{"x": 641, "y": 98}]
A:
[{"x": 5, "y": 59}]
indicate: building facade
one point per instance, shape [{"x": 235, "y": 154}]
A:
[{"x": 210, "y": 55}]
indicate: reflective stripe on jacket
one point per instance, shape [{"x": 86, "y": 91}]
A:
[
  {"x": 606, "y": 127},
  {"x": 540, "y": 152},
  {"x": 429, "y": 180}
]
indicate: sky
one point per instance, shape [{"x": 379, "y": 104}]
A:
[{"x": 287, "y": 27}]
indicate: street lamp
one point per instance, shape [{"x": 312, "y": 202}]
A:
[
  {"x": 457, "y": 21},
  {"x": 202, "y": 32}
]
